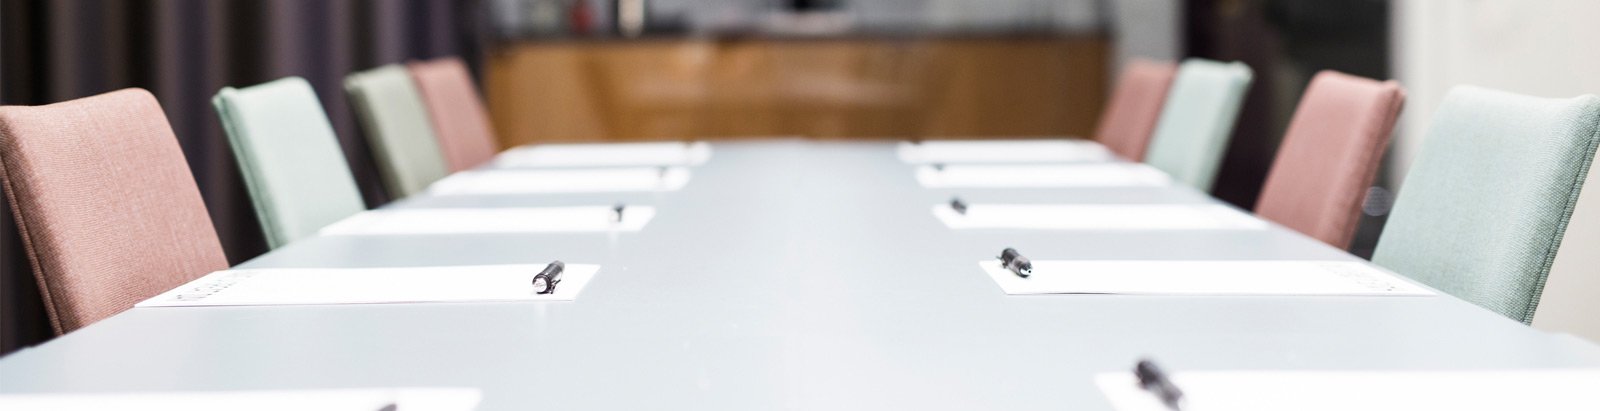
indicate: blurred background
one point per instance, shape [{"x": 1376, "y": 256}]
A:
[{"x": 621, "y": 70}]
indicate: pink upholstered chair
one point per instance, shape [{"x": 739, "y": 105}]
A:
[
  {"x": 108, "y": 211},
  {"x": 1330, "y": 155},
  {"x": 459, "y": 119},
  {"x": 1130, "y": 116}
]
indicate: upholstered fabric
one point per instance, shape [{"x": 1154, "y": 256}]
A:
[
  {"x": 1135, "y": 105},
  {"x": 108, "y": 212},
  {"x": 459, "y": 119},
  {"x": 1486, "y": 201},
  {"x": 397, "y": 127},
  {"x": 1197, "y": 120},
  {"x": 1329, "y": 156},
  {"x": 290, "y": 158}
]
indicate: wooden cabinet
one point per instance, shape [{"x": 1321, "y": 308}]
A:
[{"x": 823, "y": 88}]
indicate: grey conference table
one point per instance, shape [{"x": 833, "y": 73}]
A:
[{"x": 788, "y": 274}]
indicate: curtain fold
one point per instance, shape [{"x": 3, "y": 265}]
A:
[{"x": 183, "y": 51}]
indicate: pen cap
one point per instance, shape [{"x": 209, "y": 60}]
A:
[
  {"x": 1152, "y": 379},
  {"x": 1009, "y": 254},
  {"x": 1020, "y": 265},
  {"x": 1015, "y": 262},
  {"x": 545, "y": 282}
]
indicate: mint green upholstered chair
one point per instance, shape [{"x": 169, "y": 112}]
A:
[
  {"x": 1488, "y": 197},
  {"x": 289, "y": 156},
  {"x": 1197, "y": 120},
  {"x": 396, "y": 124}
]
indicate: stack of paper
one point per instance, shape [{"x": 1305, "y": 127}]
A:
[
  {"x": 606, "y": 155},
  {"x": 407, "y": 399},
  {"x": 1041, "y": 176},
  {"x": 1002, "y": 151},
  {"x": 597, "y": 180},
  {"x": 1544, "y": 390},
  {"x": 1098, "y": 217},
  {"x": 302, "y": 286},
  {"x": 1202, "y": 278},
  {"x": 492, "y": 220}
]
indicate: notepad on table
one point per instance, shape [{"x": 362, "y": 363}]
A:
[
  {"x": 492, "y": 220},
  {"x": 359, "y": 399},
  {"x": 597, "y": 180},
  {"x": 1002, "y": 151},
  {"x": 1097, "y": 217},
  {"x": 305, "y": 286},
  {"x": 1041, "y": 176},
  {"x": 1474, "y": 390},
  {"x": 606, "y": 155},
  {"x": 1205, "y": 277}
]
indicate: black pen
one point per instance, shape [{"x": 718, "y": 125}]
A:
[
  {"x": 618, "y": 209},
  {"x": 958, "y": 205},
  {"x": 545, "y": 282},
  {"x": 1014, "y": 261},
  {"x": 1152, "y": 379}
]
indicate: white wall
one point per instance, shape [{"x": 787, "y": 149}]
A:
[
  {"x": 1543, "y": 48},
  {"x": 1150, "y": 29}
]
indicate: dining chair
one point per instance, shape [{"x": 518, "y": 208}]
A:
[
  {"x": 289, "y": 155},
  {"x": 108, "y": 212},
  {"x": 459, "y": 119},
  {"x": 396, "y": 124},
  {"x": 1330, "y": 155},
  {"x": 1486, "y": 201},
  {"x": 1135, "y": 105},
  {"x": 1197, "y": 120}
]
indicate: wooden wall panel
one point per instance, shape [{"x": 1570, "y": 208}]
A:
[{"x": 833, "y": 88}]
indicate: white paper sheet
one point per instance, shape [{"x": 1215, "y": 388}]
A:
[
  {"x": 1098, "y": 217},
  {"x": 1202, "y": 278},
  {"x": 303, "y": 286},
  {"x": 408, "y": 399},
  {"x": 1041, "y": 176},
  {"x": 597, "y": 180},
  {"x": 1002, "y": 151},
  {"x": 606, "y": 155},
  {"x": 492, "y": 220},
  {"x": 1544, "y": 390}
]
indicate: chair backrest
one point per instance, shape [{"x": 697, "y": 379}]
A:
[
  {"x": 290, "y": 158},
  {"x": 1197, "y": 120},
  {"x": 397, "y": 127},
  {"x": 108, "y": 212},
  {"x": 456, "y": 109},
  {"x": 1487, "y": 199},
  {"x": 1135, "y": 105},
  {"x": 1330, "y": 155}
]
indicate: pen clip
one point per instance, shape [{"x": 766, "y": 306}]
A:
[
  {"x": 1152, "y": 379},
  {"x": 1015, "y": 262},
  {"x": 958, "y": 205},
  {"x": 546, "y": 280}
]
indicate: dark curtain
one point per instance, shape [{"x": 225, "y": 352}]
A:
[
  {"x": 183, "y": 51},
  {"x": 1234, "y": 30},
  {"x": 1287, "y": 42}
]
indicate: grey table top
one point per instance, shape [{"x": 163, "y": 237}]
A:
[{"x": 788, "y": 274}]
